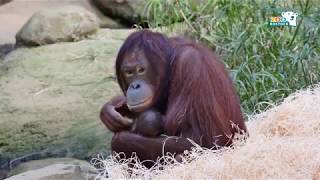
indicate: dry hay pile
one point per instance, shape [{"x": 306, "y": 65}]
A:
[{"x": 284, "y": 143}]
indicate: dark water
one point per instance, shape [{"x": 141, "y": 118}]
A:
[
  {"x": 7, "y": 164},
  {"x": 5, "y": 49}
]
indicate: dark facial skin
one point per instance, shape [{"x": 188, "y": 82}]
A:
[
  {"x": 140, "y": 94},
  {"x": 138, "y": 75}
]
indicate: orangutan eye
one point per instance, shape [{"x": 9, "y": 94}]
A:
[
  {"x": 141, "y": 70},
  {"x": 128, "y": 73}
]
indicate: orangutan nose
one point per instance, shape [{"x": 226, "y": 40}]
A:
[{"x": 135, "y": 85}]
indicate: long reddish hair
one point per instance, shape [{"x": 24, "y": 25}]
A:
[
  {"x": 204, "y": 96},
  {"x": 194, "y": 90}
]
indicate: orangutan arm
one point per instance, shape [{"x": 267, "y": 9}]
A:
[
  {"x": 147, "y": 148},
  {"x": 116, "y": 115}
]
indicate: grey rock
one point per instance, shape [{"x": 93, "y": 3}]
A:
[
  {"x": 127, "y": 10},
  {"x": 55, "y": 169},
  {"x": 51, "y": 96},
  {"x": 65, "y": 24}
]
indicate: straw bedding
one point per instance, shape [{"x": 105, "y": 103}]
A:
[{"x": 284, "y": 143}]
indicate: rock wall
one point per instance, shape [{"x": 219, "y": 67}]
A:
[{"x": 51, "y": 96}]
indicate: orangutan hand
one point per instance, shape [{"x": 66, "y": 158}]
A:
[{"x": 114, "y": 114}]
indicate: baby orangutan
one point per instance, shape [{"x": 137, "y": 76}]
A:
[{"x": 148, "y": 123}]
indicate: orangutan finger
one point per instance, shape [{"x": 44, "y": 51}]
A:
[{"x": 123, "y": 120}]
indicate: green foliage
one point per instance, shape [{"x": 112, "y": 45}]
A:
[
  {"x": 266, "y": 63},
  {"x": 161, "y": 13}
]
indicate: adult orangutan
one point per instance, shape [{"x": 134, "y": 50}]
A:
[{"x": 176, "y": 82}]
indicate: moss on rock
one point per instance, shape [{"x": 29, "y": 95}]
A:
[{"x": 51, "y": 96}]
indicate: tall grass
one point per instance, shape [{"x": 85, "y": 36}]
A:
[{"x": 266, "y": 63}]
